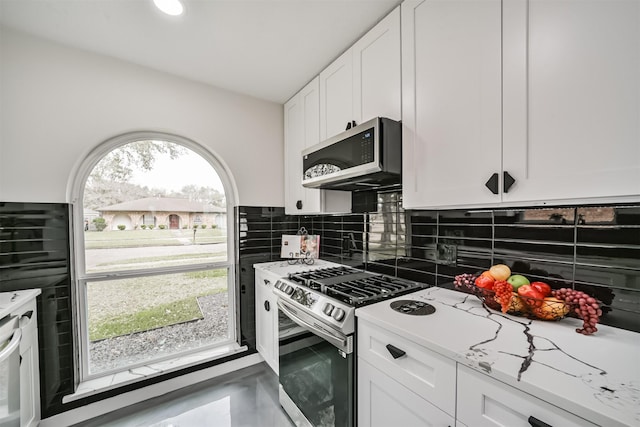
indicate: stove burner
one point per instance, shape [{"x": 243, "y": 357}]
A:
[{"x": 415, "y": 308}]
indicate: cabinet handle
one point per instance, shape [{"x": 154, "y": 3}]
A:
[
  {"x": 534, "y": 422},
  {"x": 492, "y": 184},
  {"x": 299, "y": 204},
  {"x": 508, "y": 181},
  {"x": 267, "y": 306},
  {"x": 395, "y": 351},
  {"x": 351, "y": 124},
  {"x": 266, "y": 282}
]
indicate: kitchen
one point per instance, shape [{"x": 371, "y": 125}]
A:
[{"x": 445, "y": 220}]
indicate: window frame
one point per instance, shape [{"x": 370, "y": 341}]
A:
[{"x": 80, "y": 278}]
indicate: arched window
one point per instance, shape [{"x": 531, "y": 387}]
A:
[{"x": 153, "y": 283}]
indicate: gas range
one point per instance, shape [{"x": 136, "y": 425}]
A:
[{"x": 331, "y": 295}]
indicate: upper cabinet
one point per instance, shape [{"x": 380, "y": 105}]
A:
[
  {"x": 361, "y": 84},
  {"x": 571, "y": 98},
  {"x": 451, "y": 141},
  {"x": 301, "y": 131},
  {"x": 520, "y": 101},
  {"x": 364, "y": 82}
]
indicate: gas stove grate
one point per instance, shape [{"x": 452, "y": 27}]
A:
[
  {"x": 352, "y": 286},
  {"x": 375, "y": 288}
]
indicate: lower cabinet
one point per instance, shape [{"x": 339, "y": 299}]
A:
[
  {"x": 266, "y": 319},
  {"x": 485, "y": 402},
  {"x": 402, "y": 383},
  {"x": 383, "y": 401}
]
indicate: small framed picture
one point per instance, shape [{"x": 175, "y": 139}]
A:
[{"x": 300, "y": 246}]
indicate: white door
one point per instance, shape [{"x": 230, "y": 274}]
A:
[
  {"x": 266, "y": 321},
  {"x": 302, "y": 130},
  {"x": 336, "y": 96},
  {"x": 384, "y": 402},
  {"x": 451, "y": 102},
  {"x": 376, "y": 71},
  {"x": 572, "y": 98}
]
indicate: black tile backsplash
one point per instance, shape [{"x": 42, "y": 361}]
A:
[
  {"x": 35, "y": 253},
  {"x": 591, "y": 248}
]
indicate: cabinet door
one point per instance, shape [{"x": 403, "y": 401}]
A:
[
  {"x": 302, "y": 122},
  {"x": 426, "y": 373},
  {"x": 376, "y": 71},
  {"x": 451, "y": 102},
  {"x": 336, "y": 96},
  {"x": 383, "y": 401},
  {"x": 571, "y": 99},
  {"x": 266, "y": 321},
  {"x": 485, "y": 402}
]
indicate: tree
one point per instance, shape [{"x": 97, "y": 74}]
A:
[
  {"x": 108, "y": 182},
  {"x": 202, "y": 194},
  {"x": 119, "y": 164}
]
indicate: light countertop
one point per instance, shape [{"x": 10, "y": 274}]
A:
[
  {"x": 596, "y": 377},
  {"x": 10, "y": 301}
]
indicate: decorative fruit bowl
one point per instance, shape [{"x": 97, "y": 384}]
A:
[
  {"x": 549, "y": 308},
  {"x": 514, "y": 294}
]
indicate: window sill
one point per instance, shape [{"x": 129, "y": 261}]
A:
[{"x": 119, "y": 379}]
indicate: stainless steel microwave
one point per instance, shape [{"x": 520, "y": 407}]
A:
[{"x": 366, "y": 156}]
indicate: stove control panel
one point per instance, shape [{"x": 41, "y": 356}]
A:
[{"x": 322, "y": 307}]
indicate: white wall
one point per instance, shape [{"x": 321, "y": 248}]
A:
[{"x": 58, "y": 103}]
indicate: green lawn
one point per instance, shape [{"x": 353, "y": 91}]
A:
[
  {"x": 124, "y": 306},
  {"x": 144, "y": 320},
  {"x": 155, "y": 237}
]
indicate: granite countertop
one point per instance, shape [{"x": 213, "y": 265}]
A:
[
  {"x": 596, "y": 377},
  {"x": 10, "y": 301},
  {"x": 283, "y": 268}
]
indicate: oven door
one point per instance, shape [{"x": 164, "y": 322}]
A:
[{"x": 316, "y": 373}]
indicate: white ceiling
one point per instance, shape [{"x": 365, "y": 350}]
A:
[{"x": 264, "y": 48}]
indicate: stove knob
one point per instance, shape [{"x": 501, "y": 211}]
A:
[
  {"x": 288, "y": 289},
  {"x": 327, "y": 309},
  {"x": 338, "y": 314},
  {"x": 278, "y": 284}
]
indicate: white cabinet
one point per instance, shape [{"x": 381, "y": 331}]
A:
[
  {"x": 485, "y": 402},
  {"x": 364, "y": 82},
  {"x": 402, "y": 381},
  {"x": 451, "y": 101},
  {"x": 383, "y": 401},
  {"x": 301, "y": 126},
  {"x": 266, "y": 319},
  {"x": 571, "y": 98},
  {"x": 544, "y": 91}
]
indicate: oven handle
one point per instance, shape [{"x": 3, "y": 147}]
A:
[
  {"x": 336, "y": 340},
  {"x": 15, "y": 342}
]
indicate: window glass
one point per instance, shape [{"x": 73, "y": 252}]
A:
[{"x": 155, "y": 282}]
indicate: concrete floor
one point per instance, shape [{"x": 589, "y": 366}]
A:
[{"x": 245, "y": 398}]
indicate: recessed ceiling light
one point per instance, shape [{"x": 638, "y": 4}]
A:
[{"x": 170, "y": 7}]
